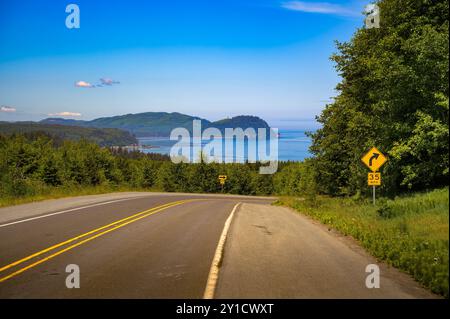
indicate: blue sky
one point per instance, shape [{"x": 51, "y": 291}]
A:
[{"x": 208, "y": 58}]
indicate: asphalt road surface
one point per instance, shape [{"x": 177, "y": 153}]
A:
[{"x": 141, "y": 245}]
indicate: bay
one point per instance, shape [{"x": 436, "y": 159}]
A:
[{"x": 293, "y": 145}]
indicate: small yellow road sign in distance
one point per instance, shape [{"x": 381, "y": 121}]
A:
[
  {"x": 374, "y": 159},
  {"x": 374, "y": 179},
  {"x": 222, "y": 179}
]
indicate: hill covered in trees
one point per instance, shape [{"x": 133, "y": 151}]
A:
[
  {"x": 159, "y": 123},
  {"x": 243, "y": 121},
  {"x": 100, "y": 136}
]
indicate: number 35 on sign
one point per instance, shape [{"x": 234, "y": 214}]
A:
[{"x": 374, "y": 179}]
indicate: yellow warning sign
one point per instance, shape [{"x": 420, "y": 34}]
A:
[
  {"x": 222, "y": 179},
  {"x": 374, "y": 179},
  {"x": 374, "y": 159}
]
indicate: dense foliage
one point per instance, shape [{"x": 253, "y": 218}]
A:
[
  {"x": 393, "y": 95},
  {"x": 30, "y": 163},
  {"x": 101, "y": 136}
]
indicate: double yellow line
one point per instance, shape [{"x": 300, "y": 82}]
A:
[{"x": 95, "y": 232}]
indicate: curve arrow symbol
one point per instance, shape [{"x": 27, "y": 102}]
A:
[{"x": 374, "y": 156}]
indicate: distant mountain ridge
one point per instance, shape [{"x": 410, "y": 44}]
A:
[
  {"x": 101, "y": 136},
  {"x": 153, "y": 124}
]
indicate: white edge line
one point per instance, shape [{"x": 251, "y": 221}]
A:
[
  {"x": 214, "y": 271},
  {"x": 64, "y": 211}
]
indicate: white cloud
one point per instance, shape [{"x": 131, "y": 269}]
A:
[
  {"x": 318, "y": 7},
  {"x": 7, "y": 109},
  {"x": 83, "y": 84},
  {"x": 68, "y": 114}
]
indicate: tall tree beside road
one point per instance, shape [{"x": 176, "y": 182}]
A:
[{"x": 393, "y": 95}]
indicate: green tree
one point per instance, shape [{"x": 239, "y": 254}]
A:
[{"x": 394, "y": 82}]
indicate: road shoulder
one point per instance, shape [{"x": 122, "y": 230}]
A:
[{"x": 273, "y": 252}]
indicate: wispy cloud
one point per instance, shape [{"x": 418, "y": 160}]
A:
[
  {"x": 7, "y": 109},
  {"x": 66, "y": 114},
  {"x": 83, "y": 84},
  {"x": 108, "y": 81},
  {"x": 103, "y": 82},
  {"x": 319, "y": 7}
]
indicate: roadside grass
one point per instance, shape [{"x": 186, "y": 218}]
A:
[
  {"x": 61, "y": 192},
  {"x": 409, "y": 232}
]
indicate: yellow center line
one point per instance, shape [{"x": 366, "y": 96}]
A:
[
  {"x": 79, "y": 237},
  {"x": 124, "y": 221}
]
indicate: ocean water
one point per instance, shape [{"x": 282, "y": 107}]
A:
[{"x": 293, "y": 145}]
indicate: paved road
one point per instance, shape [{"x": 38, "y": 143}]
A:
[
  {"x": 140, "y": 245},
  {"x": 165, "y": 255}
]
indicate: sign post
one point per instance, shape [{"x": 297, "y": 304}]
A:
[
  {"x": 374, "y": 159},
  {"x": 373, "y": 192}
]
